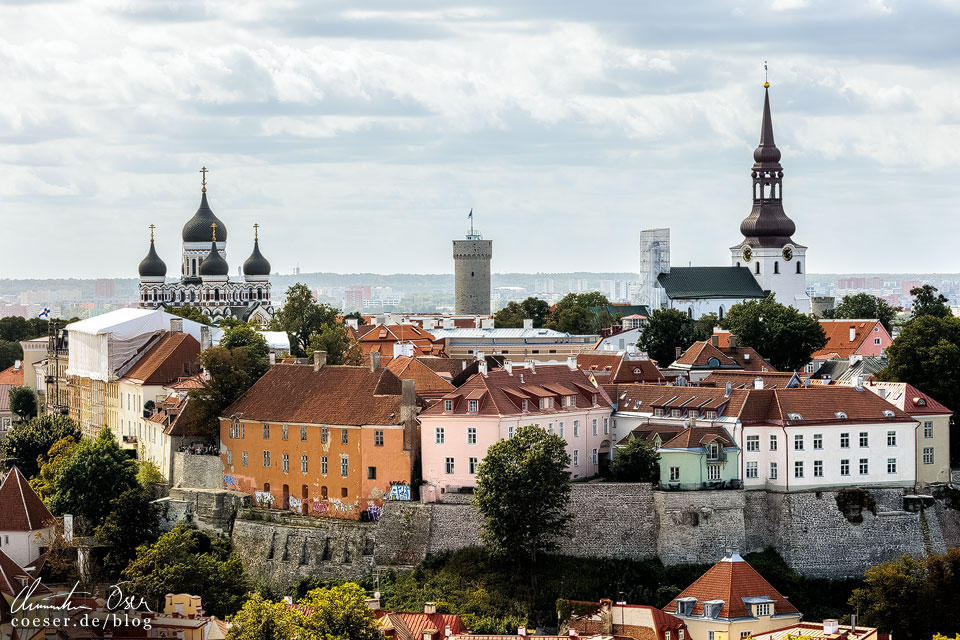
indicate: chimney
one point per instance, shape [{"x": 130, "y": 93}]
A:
[
  {"x": 408, "y": 399},
  {"x": 205, "y": 340},
  {"x": 176, "y": 325},
  {"x": 572, "y": 362},
  {"x": 448, "y": 323},
  {"x": 859, "y": 383},
  {"x": 429, "y": 608},
  {"x": 508, "y": 367},
  {"x": 273, "y": 358},
  {"x": 679, "y": 352},
  {"x": 830, "y": 627},
  {"x": 521, "y": 631},
  {"x": 447, "y": 631},
  {"x": 374, "y": 360},
  {"x": 353, "y": 323},
  {"x": 287, "y": 600},
  {"x": 606, "y": 617},
  {"x": 758, "y": 383},
  {"x": 728, "y": 388},
  {"x": 733, "y": 341},
  {"x": 572, "y": 633},
  {"x": 482, "y": 367},
  {"x": 528, "y": 323},
  {"x": 853, "y": 624},
  {"x": 532, "y": 366},
  {"x": 715, "y": 340},
  {"x": 319, "y": 360},
  {"x": 853, "y": 333},
  {"x": 486, "y": 323}
]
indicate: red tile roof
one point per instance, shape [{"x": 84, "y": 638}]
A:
[
  {"x": 908, "y": 398},
  {"x": 378, "y": 336},
  {"x": 20, "y": 508},
  {"x": 839, "y": 344},
  {"x": 619, "y": 368},
  {"x": 185, "y": 384},
  {"x": 174, "y": 356},
  {"x": 428, "y": 382},
  {"x": 731, "y": 580},
  {"x": 745, "y": 379},
  {"x": 12, "y": 375},
  {"x": 697, "y": 437},
  {"x": 334, "y": 395},
  {"x": 699, "y": 356},
  {"x": 9, "y": 571},
  {"x": 411, "y": 626}
]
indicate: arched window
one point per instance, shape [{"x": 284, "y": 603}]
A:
[
  {"x": 193, "y": 269},
  {"x": 721, "y": 312},
  {"x": 738, "y": 263},
  {"x": 776, "y": 267},
  {"x": 798, "y": 267},
  {"x": 758, "y": 267},
  {"x": 690, "y": 312}
]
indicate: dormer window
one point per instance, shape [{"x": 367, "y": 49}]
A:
[
  {"x": 472, "y": 406},
  {"x": 795, "y": 416},
  {"x": 685, "y": 607},
  {"x": 920, "y": 402},
  {"x": 675, "y": 413},
  {"x": 546, "y": 403},
  {"x": 888, "y": 413},
  {"x": 762, "y": 609},
  {"x": 713, "y": 451},
  {"x": 840, "y": 415},
  {"x": 448, "y": 405},
  {"x": 711, "y": 609},
  {"x": 658, "y": 412},
  {"x": 711, "y": 414},
  {"x": 524, "y": 405}
]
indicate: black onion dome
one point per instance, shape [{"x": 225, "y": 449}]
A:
[
  {"x": 256, "y": 264},
  {"x": 152, "y": 266},
  {"x": 197, "y": 228},
  {"x": 214, "y": 264}
]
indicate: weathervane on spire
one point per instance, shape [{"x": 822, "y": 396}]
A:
[
  {"x": 213, "y": 225},
  {"x": 766, "y": 79},
  {"x": 203, "y": 182},
  {"x": 152, "y": 227},
  {"x": 256, "y": 232}
]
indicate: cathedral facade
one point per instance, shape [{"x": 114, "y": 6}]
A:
[{"x": 205, "y": 274}]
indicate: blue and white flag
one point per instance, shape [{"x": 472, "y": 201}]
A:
[
  {"x": 45, "y": 313},
  {"x": 470, "y": 215}
]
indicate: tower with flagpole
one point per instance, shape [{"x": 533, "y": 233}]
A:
[{"x": 471, "y": 270}]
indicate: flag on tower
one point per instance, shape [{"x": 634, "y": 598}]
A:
[
  {"x": 45, "y": 313},
  {"x": 470, "y": 215}
]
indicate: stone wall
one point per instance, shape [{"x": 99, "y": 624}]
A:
[
  {"x": 695, "y": 526},
  {"x": 196, "y": 472},
  {"x": 212, "y": 510}
]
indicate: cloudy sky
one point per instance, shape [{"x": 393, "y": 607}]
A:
[{"x": 359, "y": 134}]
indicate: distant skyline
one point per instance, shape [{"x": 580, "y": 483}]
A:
[{"x": 359, "y": 136}]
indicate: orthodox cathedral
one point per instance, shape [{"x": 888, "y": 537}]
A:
[
  {"x": 205, "y": 275},
  {"x": 765, "y": 261}
]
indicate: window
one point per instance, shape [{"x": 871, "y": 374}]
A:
[
  {"x": 286, "y": 463},
  {"x": 675, "y": 413},
  {"x": 561, "y": 430},
  {"x": 744, "y": 634},
  {"x": 596, "y": 456},
  {"x": 472, "y": 406},
  {"x": 844, "y": 440},
  {"x": 666, "y": 635},
  {"x": 713, "y": 451},
  {"x": 891, "y": 438},
  {"x": 818, "y": 468},
  {"x": 284, "y": 432},
  {"x": 818, "y": 441},
  {"x": 524, "y": 405},
  {"x": 753, "y": 443},
  {"x": 344, "y": 438},
  {"x": 606, "y": 426},
  {"x": 844, "y": 467},
  {"x": 473, "y": 466},
  {"x": 891, "y": 465},
  {"x": 449, "y": 465},
  {"x": 371, "y": 473},
  {"x": 472, "y": 434},
  {"x": 266, "y": 431},
  {"x": 864, "y": 466},
  {"x": 674, "y": 474},
  {"x": 798, "y": 442},
  {"x": 510, "y": 432},
  {"x": 773, "y": 470},
  {"x": 761, "y": 609},
  {"x": 266, "y": 458},
  {"x": 928, "y": 428},
  {"x": 439, "y": 435},
  {"x": 928, "y": 455},
  {"x": 576, "y": 457},
  {"x": 344, "y": 465},
  {"x": 229, "y": 457},
  {"x": 773, "y": 443},
  {"x": 752, "y": 469},
  {"x": 303, "y": 434},
  {"x": 550, "y": 428},
  {"x": 864, "y": 439},
  {"x": 595, "y": 432},
  {"x": 303, "y": 464},
  {"x": 576, "y": 428},
  {"x": 713, "y": 472},
  {"x": 378, "y": 437},
  {"x": 448, "y": 405},
  {"x": 244, "y": 459},
  {"x": 324, "y": 435},
  {"x": 798, "y": 469},
  {"x": 323, "y": 465}
]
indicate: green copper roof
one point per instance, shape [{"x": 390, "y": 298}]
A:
[
  {"x": 624, "y": 310},
  {"x": 710, "y": 282}
]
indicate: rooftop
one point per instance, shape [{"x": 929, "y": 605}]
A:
[
  {"x": 710, "y": 282},
  {"x": 20, "y": 508},
  {"x": 839, "y": 344},
  {"x": 172, "y": 357}
]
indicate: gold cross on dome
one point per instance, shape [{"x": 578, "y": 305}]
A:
[
  {"x": 256, "y": 232},
  {"x": 203, "y": 182},
  {"x": 152, "y": 227},
  {"x": 213, "y": 225}
]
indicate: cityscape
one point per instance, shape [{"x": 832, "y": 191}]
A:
[{"x": 695, "y": 378}]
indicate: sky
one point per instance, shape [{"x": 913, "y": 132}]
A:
[{"x": 359, "y": 135}]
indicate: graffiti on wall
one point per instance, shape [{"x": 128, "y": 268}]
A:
[
  {"x": 399, "y": 491},
  {"x": 263, "y": 498},
  {"x": 295, "y": 504}
]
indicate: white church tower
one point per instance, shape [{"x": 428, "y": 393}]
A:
[{"x": 767, "y": 249}]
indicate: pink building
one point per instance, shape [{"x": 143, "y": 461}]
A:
[
  {"x": 845, "y": 338},
  {"x": 457, "y": 431}
]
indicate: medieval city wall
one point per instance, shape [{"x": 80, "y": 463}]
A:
[
  {"x": 197, "y": 472},
  {"x": 694, "y": 527}
]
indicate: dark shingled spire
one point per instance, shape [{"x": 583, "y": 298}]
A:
[
  {"x": 197, "y": 228},
  {"x": 767, "y": 154}
]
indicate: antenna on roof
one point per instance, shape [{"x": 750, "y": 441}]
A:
[{"x": 766, "y": 79}]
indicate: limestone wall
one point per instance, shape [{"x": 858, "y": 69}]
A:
[
  {"x": 196, "y": 472},
  {"x": 695, "y": 526}
]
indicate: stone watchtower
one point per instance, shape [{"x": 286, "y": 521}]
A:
[{"x": 471, "y": 259}]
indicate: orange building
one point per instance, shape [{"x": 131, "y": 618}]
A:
[{"x": 323, "y": 440}]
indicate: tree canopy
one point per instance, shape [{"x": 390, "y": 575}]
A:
[
  {"x": 301, "y": 317},
  {"x": 23, "y": 403},
  {"x": 864, "y": 305},
  {"x": 514, "y": 313},
  {"x": 134, "y": 519},
  {"x": 26, "y": 442},
  {"x": 666, "y": 330},
  {"x": 927, "y": 302},
  {"x": 572, "y": 313},
  {"x": 636, "y": 461},
  {"x": 927, "y": 355},
  {"x": 190, "y": 313},
  {"x": 10, "y": 352},
  {"x": 336, "y": 341},
  {"x": 781, "y": 334}
]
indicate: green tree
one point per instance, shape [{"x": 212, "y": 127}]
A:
[
  {"x": 899, "y": 596},
  {"x": 26, "y": 442},
  {"x": 134, "y": 519},
  {"x": 523, "y": 488},
  {"x": 190, "y": 313},
  {"x": 187, "y": 561},
  {"x": 261, "y": 619},
  {"x": 355, "y": 315},
  {"x": 51, "y": 463},
  {"x": 927, "y": 302},
  {"x": 243, "y": 335},
  {"x": 23, "y": 403},
  {"x": 572, "y": 314},
  {"x": 301, "y": 317},
  {"x": 15, "y": 329},
  {"x": 148, "y": 474},
  {"x": 926, "y": 354},
  {"x": 336, "y": 341},
  {"x": 666, "y": 330},
  {"x": 782, "y": 335},
  {"x": 636, "y": 461},
  {"x": 865, "y": 306},
  {"x": 702, "y": 328},
  {"x": 537, "y": 310},
  {"x": 337, "y": 612},
  {"x": 10, "y": 352},
  {"x": 97, "y": 471},
  {"x": 509, "y": 317},
  {"x": 232, "y": 372}
]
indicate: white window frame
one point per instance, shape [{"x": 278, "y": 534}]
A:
[
  {"x": 439, "y": 435},
  {"x": 471, "y": 435},
  {"x": 752, "y": 471},
  {"x": 753, "y": 443}
]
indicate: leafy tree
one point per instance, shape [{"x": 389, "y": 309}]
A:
[
  {"x": 232, "y": 372},
  {"x": 10, "y": 352},
  {"x": 336, "y": 341},
  {"x": 864, "y": 305},
  {"x": 243, "y": 335},
  {"x": 301, "y": 317},
  {"x": 899, "y": 596},
  {"x": 26, "y": 442},
  {"x": 261, "y": 619},
  {"x": 355, "y": 315},
  {"x": 927, "y": 355},
  {"x": 927, "y": 302},
  {"x": 572, "y": 314},
  {"x": 509, "y": 317},
  {"x": 148, "y": 474},
  {"x": 636, "y": 461},
  {"x": 23, "y": 402},
  {"x": 134, "y": 519},
  {"x": 51, "y": 463},
  {"x": 783, "y": 335},
  {"x": 702, "y": 328},
  {"x": 337, "y": 612},
  {"x": 187, "y": 561},
  {"x": 97, "y": 471},
  {"x": 603, "y": 320},
  {"x": 190, "y": 313},
  {"x": 15, "y": 329},
  {"x": 666, "y": 330},
  {"x": 537, "y": 310},
  {"x": 523, "y": 488}
]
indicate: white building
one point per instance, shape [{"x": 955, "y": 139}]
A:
[{"x": 26, "y": 524}]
